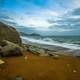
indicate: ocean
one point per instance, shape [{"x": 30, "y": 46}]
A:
[{"x": 69, "y": 44}]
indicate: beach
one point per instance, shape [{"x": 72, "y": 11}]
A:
[
  {"x": 33, "y": 67},
  {"x": 39, "y": 39}
]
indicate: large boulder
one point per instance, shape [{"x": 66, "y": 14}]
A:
[
  {"x": 9, "y": 33},
  {"x": 10, "y": 49}
]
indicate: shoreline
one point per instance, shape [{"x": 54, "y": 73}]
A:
[
  {"x": 40, "y": 63},
  {"x": 38, "y": 48},
  {"x": 50, "y": 48},
  {"x": 53, "y": 43}
]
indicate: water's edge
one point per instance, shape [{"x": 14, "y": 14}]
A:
[{"x": 58, "y": 48}]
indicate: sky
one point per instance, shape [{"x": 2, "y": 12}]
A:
[{"x": 46, "y": 17}]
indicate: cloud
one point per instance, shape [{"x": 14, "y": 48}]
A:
[
  {"x": 70, "y": 23},
  {"x": 39, "y": 23},
  {"x": 76, "y": 11},
  {"x": 76, "y": 3},
  {"x": 55, "y": 16},
  {"x": 34, "y": 22}
]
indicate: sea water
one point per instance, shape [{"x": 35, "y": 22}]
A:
[{"x": 71, "y": 44}]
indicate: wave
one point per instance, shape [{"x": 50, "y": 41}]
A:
[{"x": 49, "y": 41}]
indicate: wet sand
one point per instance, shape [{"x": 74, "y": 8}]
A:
[{"x": 35, "y": 67}]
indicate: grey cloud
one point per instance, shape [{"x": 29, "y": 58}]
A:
[
  {"x": 67, "y": 22},
  {"x": 76, "y": 11}
]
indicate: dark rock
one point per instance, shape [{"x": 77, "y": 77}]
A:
[
  {"x": 14, "y": 52},
  {"x": 10, "y": 49},
  {"x": 9, "y": 33},
  {"x": 51, "y": 55}
]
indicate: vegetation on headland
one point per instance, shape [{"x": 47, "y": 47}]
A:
[{"x": 29, "y": 34}]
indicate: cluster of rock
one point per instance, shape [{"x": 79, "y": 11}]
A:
[
  {"x": 53, "y": 52},
  {"x": 41, "y": 51},
  {"x": 10, "y": 41},
  {"x": 10, "y": 49}
]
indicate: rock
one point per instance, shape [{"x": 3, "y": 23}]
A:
[
  {"x": 51, "y": 52},
  {"x": 56, "y": 56},
  {"x": 10, "y": 49},
  {"x": 9, "y": 33},
  {"x": 25, "y": 58},
  {"x": 32, "y": 49},
  {"x": 74, "y": 71},
  {"x": 37, "y": 50},
  {"x": 19, "y": 78},
  {"x": 1, "y": 62},
  {"x": 43, "y": 52},
  {"x": 25, "y": 47}
]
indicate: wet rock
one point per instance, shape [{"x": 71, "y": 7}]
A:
[
  {"x": 37, "y": 50},
  {"x": 10, "y": 49},
  {"x": 42, "y": 51}
]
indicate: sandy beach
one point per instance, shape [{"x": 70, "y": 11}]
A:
[{"x": 33, "y": 67}]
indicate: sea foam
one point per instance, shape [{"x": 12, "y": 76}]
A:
[{"x": 49, "y": 42}]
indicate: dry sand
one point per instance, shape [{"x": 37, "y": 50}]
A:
[{"x": 33, "y": 67}]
